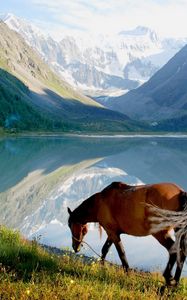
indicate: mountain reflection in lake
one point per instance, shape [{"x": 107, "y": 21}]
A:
[{"x": 40, "y": 177}]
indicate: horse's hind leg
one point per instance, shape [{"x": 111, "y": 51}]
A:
[
  {"x": 167, "y": 273},
  {"x": 165, "y": 240},
  {"x": 105, "y": 249},
  {"x": 180, "y": 257},
  {"x": 179, "y": 268}
]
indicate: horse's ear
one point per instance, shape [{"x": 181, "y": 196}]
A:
[{"x": 69, "y": 211}]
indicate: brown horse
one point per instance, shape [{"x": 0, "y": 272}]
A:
[{"x": 121, "y": 208}]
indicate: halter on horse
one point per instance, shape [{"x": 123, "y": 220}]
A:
[{"x": 121, "y": 208}]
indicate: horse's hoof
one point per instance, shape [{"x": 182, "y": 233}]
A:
[
  {"x": 162, "y": 290},
  {"x": 129, "y": 271},
  {"x": 102, "y": 262},
  {"x": 172, "y": 283}
]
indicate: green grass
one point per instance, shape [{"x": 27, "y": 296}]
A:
[{"x": 28, "y": 272}]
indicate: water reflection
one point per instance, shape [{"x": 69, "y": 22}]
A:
[{"x": 40, "y": 177}]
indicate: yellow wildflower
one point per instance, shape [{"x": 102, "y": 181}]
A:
[{"x": 28, "y": 292}]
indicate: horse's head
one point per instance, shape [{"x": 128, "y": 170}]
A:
[{"x": 78, "y": 231}]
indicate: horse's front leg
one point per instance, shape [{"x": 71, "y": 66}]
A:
[
  {"x": 105, "y": 249},
  {"x": 114, "y": 237},
  {"x": 121, "y": 252}
]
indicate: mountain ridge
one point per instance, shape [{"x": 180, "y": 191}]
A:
[{"x": 110, "y": 63}]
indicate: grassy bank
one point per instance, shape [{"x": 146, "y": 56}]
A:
[{"x": 28, "y": 272}]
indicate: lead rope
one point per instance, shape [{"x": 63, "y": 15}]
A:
[
  {"x": 102, "y": 259},
  {"x": 87, "y": 245},
  {"x": 93, "y": 250}
]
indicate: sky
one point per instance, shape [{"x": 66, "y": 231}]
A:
[{"x": 166, "y": 17}]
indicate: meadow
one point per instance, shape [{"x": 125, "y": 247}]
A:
[{"x": 27, "y": 271}]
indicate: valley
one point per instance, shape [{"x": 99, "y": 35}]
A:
[{"x": 102, "y": 84}]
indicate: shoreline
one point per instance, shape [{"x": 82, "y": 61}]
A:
[{"x": 94, "y": 136}]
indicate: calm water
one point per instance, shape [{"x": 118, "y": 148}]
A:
[{"x": 40, "y": 177}]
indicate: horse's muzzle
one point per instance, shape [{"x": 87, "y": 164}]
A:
[{"x": 77, "y": 248}]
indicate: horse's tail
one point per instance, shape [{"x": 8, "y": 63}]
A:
[{"x": 161, "y": 219}]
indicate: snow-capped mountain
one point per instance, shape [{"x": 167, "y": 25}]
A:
[
  {"x": 104, "y": 63},
  {"x": 162, "y": 100}
]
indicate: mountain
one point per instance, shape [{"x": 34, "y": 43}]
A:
[
  {"x": 139, "y": 31},
  {"x": 34, "y": 97},
  {"x": 103, "y": 64},
  {"x": 163, "y": 97}
]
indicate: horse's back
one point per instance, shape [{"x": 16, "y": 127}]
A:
[
  {"x": 163, "y": 191},
  {"x": 118, "y": 185}
]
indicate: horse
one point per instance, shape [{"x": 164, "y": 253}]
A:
[{"x": 121, "y": 208}]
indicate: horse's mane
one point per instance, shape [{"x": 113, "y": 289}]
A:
[{"x": 85, "y": 211}]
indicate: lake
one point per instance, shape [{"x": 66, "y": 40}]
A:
[{"x": 41, "y": 176}]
